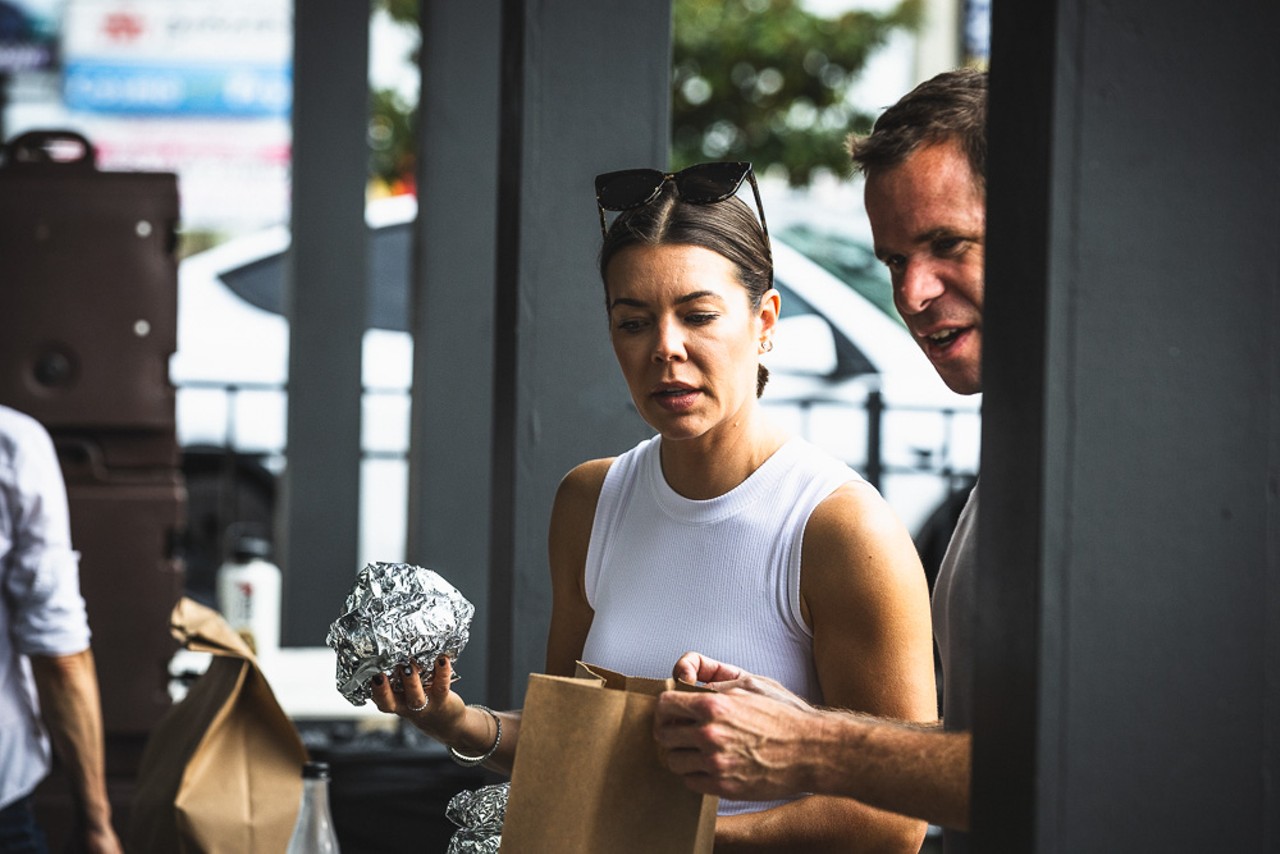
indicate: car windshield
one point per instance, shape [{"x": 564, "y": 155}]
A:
[
  {"x": 261, "y": 282},
  {"x": 848, "y": 259}
]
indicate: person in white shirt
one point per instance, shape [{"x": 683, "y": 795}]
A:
[{"x": 46, "y": 665}]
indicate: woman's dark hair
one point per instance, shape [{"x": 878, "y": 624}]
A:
[{"x": 729, "y": 228}]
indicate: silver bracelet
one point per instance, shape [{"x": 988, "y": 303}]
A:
[{"x": 472, "y": 761}]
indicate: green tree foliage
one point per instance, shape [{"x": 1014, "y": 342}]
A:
[
  {"x": 404, "y": 11},
  {"x": 392, "y": 141},
  {"x": 766, "y": 81},
  {"x": 758, "y": 80},
  {"x": 393, "y": 122}
]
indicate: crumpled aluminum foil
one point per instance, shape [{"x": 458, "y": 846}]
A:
[
  {"x": 478, "y": 815},
  {"x": 396, "y": 613}
]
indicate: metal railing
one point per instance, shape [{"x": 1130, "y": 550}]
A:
[
  {"x": 874, "y": 467},
  {"x": 231, "y": 393}
]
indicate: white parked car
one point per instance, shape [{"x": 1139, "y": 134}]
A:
[{"x": 836, "y": 353}]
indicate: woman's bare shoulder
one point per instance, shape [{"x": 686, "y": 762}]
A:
[
  {"x": 575, "y": 505},
  {"x": 854, "y": 503},
  {"x": 855, "y": 526},
  {"x": 584, "y": 481}
]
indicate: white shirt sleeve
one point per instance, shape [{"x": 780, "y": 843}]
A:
[{"x": 41, "y": 571}]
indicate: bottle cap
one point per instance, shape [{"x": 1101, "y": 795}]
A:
[
  {"x": 315, "y": 771},
  {"x": 249, "y": 548}
]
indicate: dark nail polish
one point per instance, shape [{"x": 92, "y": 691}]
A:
[
  {"x": 377, "y": 680},
  {"x": 441, "y": 661}
]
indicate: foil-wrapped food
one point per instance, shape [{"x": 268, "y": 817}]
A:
[
  {"x": 478, "y": 815},
  {"x": 395, "y": 614}
]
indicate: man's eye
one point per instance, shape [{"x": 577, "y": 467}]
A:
[
  {"x": 947, "y": 246},
  {"x": 894, "y": 262}
]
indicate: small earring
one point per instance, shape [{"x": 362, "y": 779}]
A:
[{"x": 766, "y": 345}]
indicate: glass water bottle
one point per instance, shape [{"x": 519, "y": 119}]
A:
[{"x": 313, "y": 832}]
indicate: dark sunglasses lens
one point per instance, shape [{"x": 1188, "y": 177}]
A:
[
  {"x": 630, "y": 188},
  {"x": 710, "y": 182}
]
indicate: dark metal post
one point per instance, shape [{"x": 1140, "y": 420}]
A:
[{"x": 875, "y": 422}]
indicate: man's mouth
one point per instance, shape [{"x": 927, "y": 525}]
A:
[
  {"x": 943, "y": 337},
  {"x": 943, "y": 343}
]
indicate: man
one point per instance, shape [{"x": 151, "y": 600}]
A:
[
  {"x": 925, "y": 166},
  {"x": 44, "y": 647}
]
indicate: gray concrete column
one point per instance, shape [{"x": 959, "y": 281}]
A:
[
  {"x": 585, "y": 89},
  {"x": 325, "y": 303},
  {"x": 453, "y": 320},
  {"x": 1127, "y": 688}
]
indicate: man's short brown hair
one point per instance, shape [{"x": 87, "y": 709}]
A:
[{"x": 950, "y": 106}]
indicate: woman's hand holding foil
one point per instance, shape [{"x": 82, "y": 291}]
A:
[
  {"x": 428, "y": 702},
  {"x": 434, "y": 708}
]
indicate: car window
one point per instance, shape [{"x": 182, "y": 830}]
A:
[
  {"x": 849, "y": 359},
  {"x": 261, "y": 282},
  {"x": 851, "y": 261}
]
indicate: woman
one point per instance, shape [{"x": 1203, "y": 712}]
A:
[{"x": 721, "y": 533}]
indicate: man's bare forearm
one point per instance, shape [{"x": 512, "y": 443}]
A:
[
  {"x": 748, "y": 744},
  {"x": 72, "y": 712},
  {"x": 918, "y": 770}
]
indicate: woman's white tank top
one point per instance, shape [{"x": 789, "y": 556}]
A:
[{"x": 666, "y": 574}]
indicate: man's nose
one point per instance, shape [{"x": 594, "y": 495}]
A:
[{"x": 917, "y": 287}]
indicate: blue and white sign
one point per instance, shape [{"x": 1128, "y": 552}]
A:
[
  {"x": 178, "y": 57},
  {"x": 154, "y": 89}
]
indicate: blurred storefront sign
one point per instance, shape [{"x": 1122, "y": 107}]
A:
[
  {"x": 202, "y": 88},
  {"x": 167, "y": 90},
  {"x": 232, "y": 175},
  {"x": 167, "y": 57}
]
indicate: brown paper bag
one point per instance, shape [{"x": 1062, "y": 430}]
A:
[
  {"x": 222, "y": 771},
  {"x": 587, "y": 777}
]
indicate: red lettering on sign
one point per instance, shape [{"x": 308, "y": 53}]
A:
[{"x": 122, "y": 26}]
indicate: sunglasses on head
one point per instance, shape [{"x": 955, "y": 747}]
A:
[{"x": 700, "y": 184}]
